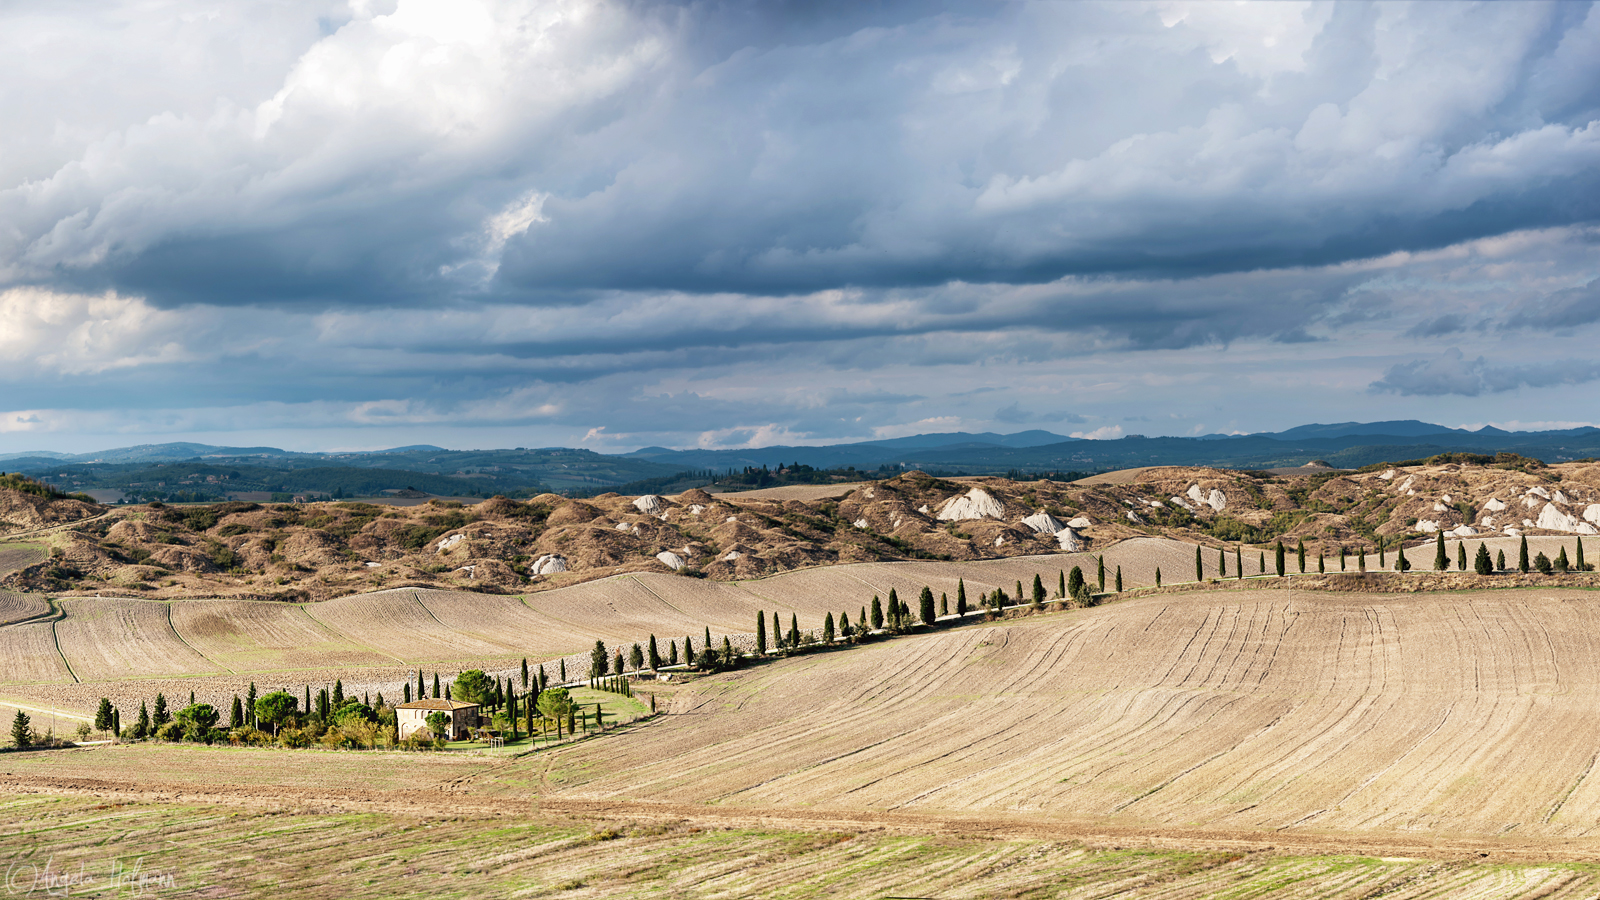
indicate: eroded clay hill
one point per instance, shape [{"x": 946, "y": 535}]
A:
[{"x": 323, "y": 550}]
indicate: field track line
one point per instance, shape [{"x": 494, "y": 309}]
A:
[
  {"x": 174, "y": 626},
  {"x": 56, "y": 639},
  {"x": 42, "y": 709},
  {"x": 1570, "y": 791},
  {"x": 337, "y": 633},
  {"x": 664, "y": 601}
]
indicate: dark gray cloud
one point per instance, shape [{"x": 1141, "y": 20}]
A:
[
  {"x": 1449, "y": 323},
  {"x": 1452, "y": 373},
  {"x": 1562, "y": 310}
]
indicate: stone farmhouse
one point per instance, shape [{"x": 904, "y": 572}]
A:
[{"x": 410, "y": 717}]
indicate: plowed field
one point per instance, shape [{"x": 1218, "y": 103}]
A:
[
  {"x": 17, "y": 607},
  {"x": 1253, "y": 712},
  {"x": 110, "y": 638},
  {"x": 265, "y": 637}
]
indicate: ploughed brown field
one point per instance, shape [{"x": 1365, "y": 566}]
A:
[{"x": 1249, "y": 740}]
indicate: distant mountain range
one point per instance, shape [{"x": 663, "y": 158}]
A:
[{"x": 200, "y": 470}]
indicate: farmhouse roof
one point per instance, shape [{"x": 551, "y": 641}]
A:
[{"x": 437, "y": 704}]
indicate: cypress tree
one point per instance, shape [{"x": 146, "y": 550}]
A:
[
  {"x": 844, "y": 623},
  {"x": 794, "y": 630},
  {"x": 1578, "y": 558},
  {"x": 250, "y": 704},
  {"x": 877, "y": 613},
  {"x": 1261, "y": 563},
  {"x": 1075, "y": 582},
  {"x": 777, "y": 630},
  {"x": 525, "y": 666},
  {"x": 236, "y": 716},
  {"x": 827, "y": 629},
  {"x": 944, "y": 604},
  {"x": 1020, "y": 595},
  {"x": 1158, "y": 576},
  {"x": 1341, "y": 558},
  {"x": 655, "y": 653},
  {"x": 436, "y": 685},
  {"x": 708, "y": 637},
  {"x": 1522, "y": 556},
  {"x": 1199, "y": 567},
  {"x": 1382, "y": 562},
  {"x": 1361, "y": 561},
  {"x": 1322, "y": 561},
  {"x": 1461, "y": 556},
  {"x": 422, "y": 688},
  {"x": 1222, "y": 563},
  {"x": 1481, "y": 562},
  {"x": 1101, "y": 574},
  {"x": 728, "y": 659},
  {"x": 116, "y": 722},
  {"x": 672, "y": 653},
  {"x": 102, "y": 715},
  {"x": 1038, "y": 592},
  {"x": 308, "y": 699},
  {"x": 1119, "y": 579},
  {"x": 338, "y": 693},
  {"x": 408, "y": 691},
  {"x": 1500, "y": 560},
  {"x": 1441, "y": 558},
  {"x": 893, "y": 613},
  {"x": 1238, "y": 561},
  {"x": 141, "y": 725},
  {"x": 1561, "y": 561},
  {"x": 563, "y": 671},
  {"x": 636, "y": 657},
  {"x": 761, "y": 633},
  {"x": 1061, "y": 583},
  {"x": 688, "y": 651},
  {"x": 961, "y": 596},
  {"x": 861, "y": 620},
  {"x": 1300, "y": 555},
  {"x": 1401, "y": 564},
  {"x": 618, "y": 665},
  {"x": 926, "y": 602},
  {"x": 1277, "y": 557}
]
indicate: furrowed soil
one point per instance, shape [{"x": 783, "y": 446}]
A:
[{"x": 188, "y": 849}]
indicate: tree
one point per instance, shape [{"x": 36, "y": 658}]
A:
[
  {"x": 21, "y": 730},
  {"x": 655, "y": 654},
  {"x": 116, "y": 721},
  {"x": 618, "y": 664},
  {"x": 407, "y": 692},
  {"x": 1261, "y": 564},
  {"x": 636, "y": 657},
  {"x": 599, "y": 661},
  {"x": 338, "y": 693},
  {"x": 1542, "y": 563},
  {"x": 1277, "y": 556},
  {"x": 961, "y": 596},
  {"x": 1199, "y": 567},
  {"x": 1300, "y": 554},
  {"x": 827, "y": 629},
  {"x": 250, "y": 704},
  {"x": 1101, "y": 575},
  {"x": 1577, "y": 559},
  {"x": 1461, "y": 556},
  {"x": 929, "y": 614},
  {"x": 1341, "y": 558},
  {"x": 1441, "y": 557},
  {"x": 844, "y": 624},
  {"x": 160, "y": 716},
  {"x": 141, "y": 725},
  {"x": 525, "y": 665},
  {"x": 1119, "y": 579},
  {"x": 1561, "y": 561},
  {"x": 472, "y": 686},
  {"x": 777, "y": 631},
  {"x": 1522, "y": 556},
  {"x": 877, "y": 613},
  {"x": 422, "y": 687},
  {"x": 794, "y": 630},
  {"x": 1074, "y": 582},
  {"x": 1481, "y": 562},
  {"x": 729, "y": 658},
  {"x": 436, "y": 685},
  {"x": 1222, "y": 563},
  {"x": 198, "y": 719},
  {"x": 1061, "y": 584},
  {"x": 1383, "y": 563},
  {"x": 708, "y": 637},
  {"x": 1158, "y": 576},
  {"x": 1238, "y": 561},
  {"x": 688, "y": 651},
  {"x": 944, "y": 604},
  {"x": 102, "y": 716},
  {"x": 672, "y": 653},
  {"x": 1500, "y": 560},
  {"x": 1322, "y": 561},
  {"x": 236, "y": 715},
  {"x": 1401, "y": 564},
  {"x": 439, "y": 725},
  {"x": 556, "y": 704},
  {"x": 273, "y": 708},
  {"x": 761, "y": 633}
]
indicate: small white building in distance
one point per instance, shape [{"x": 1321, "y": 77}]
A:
[{"x": 410, "y": 717}]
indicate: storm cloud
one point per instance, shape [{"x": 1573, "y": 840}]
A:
[{"x": 727, "y": 222}]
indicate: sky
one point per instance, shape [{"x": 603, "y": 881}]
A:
[{"x": 330, "y": 225}]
